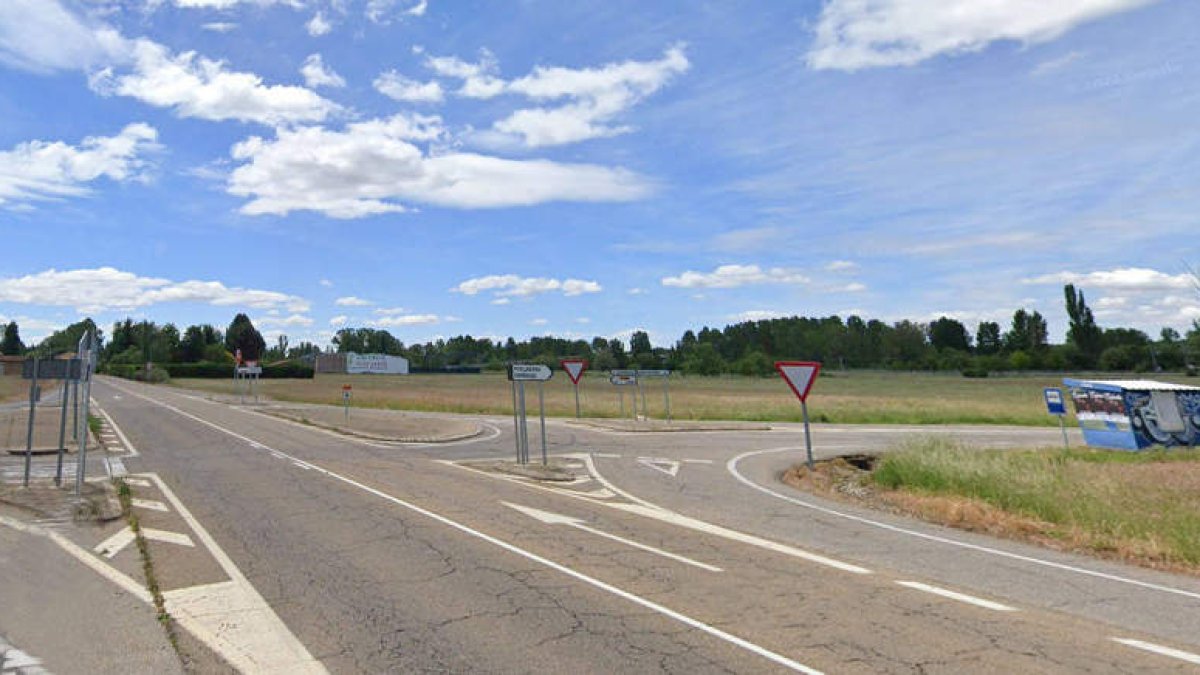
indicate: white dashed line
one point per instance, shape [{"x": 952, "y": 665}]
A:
[
  {"x": 954, "y": 595},
  {"x": 1160, "y": 650}
]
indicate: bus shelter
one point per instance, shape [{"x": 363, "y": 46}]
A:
[{"x": 1136, "y": 414}]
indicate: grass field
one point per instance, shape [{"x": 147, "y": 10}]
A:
[
  {"x": 857, "y": 397},
  {"x": 1142, "y": 507}
]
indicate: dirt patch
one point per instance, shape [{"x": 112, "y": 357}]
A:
[
  {"x": 848, "y": 479},
  {"x": 98, "y": 502}
]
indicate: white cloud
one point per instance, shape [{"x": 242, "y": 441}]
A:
[
  {"x": 380, "y": 11},
  {"x": 317, "y": 74},
  {"x": 229, "y": 4},
  {"x": 339, "y": 320},
  {"x": 106, "y": 288},
  {"x": 351, "y": 301},
  {"x": 636, "y": 291},
  {"x": 43, "y": 36},
  {"x": 583, "y": 320},
  {"x": 1056, "y": 64},
  {"x": 413, "y": 320},
  {"x": 219, "y": 26},
  {"x": 390, "y": 311},
  {"x": 284, "y": 322},
  {"x": 733, "y": 276},
  {"x": 841, "y": 266},
  {"x": 539, "y": 322},
  {"x": 756, "y": 315},
  {"x": 318, "y": 25},
  {"x": 854, "y": 34},
  {"x": 852, "y": 287},
  {"x": 326, "y": 283},
  {"x": 370, "y": 166},
  {"x": 511, "y": 285},
  {"x": 501, "y": 301},
  {"x": 195, "y": 86},
  {"x": 400, "y": 88},
  {"x": 38, "y": 170},
  {"x": 593, "y": 97},
  {"x": 1123, "y": 279}
]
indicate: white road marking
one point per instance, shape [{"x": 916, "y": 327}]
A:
[
  {"x": 731, "y": 465},
  {"x": 149, "y": 504},
  {"x": 82, "y": 555},
  {"x": 129, "y": 449},
  {"x": 138, "y": 482},
  {"x": 667, "y": 466},
  {"x": 14, "y": 661},
  {"x": 644, "y": 508},
  {"x": 529, "y": 555},
  {"x": 607, "y": 455},
  {"x": 168, "y": 537},
  {"x": 234, "y": 619},
  {"x": 954, "y": 595},
  {"x": 116, "y": 468},
  {"x": 110, "y": 547},
  {"x": 557, "y": 519},
  {"x": 1160, "y": 650}
]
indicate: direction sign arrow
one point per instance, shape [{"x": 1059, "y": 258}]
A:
[
  {"x": 558, "y": 519},
  {"x": 799, "y": 375},
  {"x": 529, "y": 372},
  {"x": 667, "y": 466},
  {"x": 574, "y": 368}
]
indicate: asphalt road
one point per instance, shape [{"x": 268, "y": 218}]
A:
[{"x": 677, "y": 553}]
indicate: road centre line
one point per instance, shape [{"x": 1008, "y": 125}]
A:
[
  {"x": 731, "y": 466},
  {"x": 529, "y": 555},
  {"x": 954, "y": 595},
  {"x": 1159, "y": 649}
]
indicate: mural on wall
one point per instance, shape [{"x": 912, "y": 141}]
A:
[{"x": 1157, "y": 422}]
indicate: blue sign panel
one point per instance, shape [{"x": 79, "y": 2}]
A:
[{"x": 1055, "y": 404}]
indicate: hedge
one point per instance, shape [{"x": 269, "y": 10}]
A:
[{"x": 210, "y": 370}]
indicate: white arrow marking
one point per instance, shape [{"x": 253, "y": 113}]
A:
[
  {"x": 557, "y": 519},
  {"x": 168, "y": 537},
  {"x": 1159, "y": 649},
  {"x": 110, "y": 547},
  {"x": 149, "y": 504},
  {"x": 667, "y": 466}
]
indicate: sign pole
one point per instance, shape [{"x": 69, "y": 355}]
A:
[
  {"x": 576, "y": 400},
  {"x": 645, "y": 409},
  {"x": 62, "y": 427},
  {"x": 81, "y": 463},
  {"x": 542, "y": 413},
  {"x": 524, "y": 427},
  {"x": 667, "y": 396},
  {"x": 634, "y": 397},
  {"x": 807, "y": 436},
  {"x": 1063, "y": 426},
  {"x": 516, "y": 422},
  {"x": 621, "y": 396},
  {"x": 33, "y": 396}
]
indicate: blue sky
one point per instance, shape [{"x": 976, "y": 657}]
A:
[{"x": 590, "y": 168}]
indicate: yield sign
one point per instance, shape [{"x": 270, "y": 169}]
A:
[
  {"x": 574, "y": 368},
  {"x": 799, "y": 375}
]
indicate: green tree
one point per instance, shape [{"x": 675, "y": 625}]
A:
[
  {"x": 67, "y": 339},
  {"x": 12, "y": 345},
  {"x": 947, "y": 333},
  {"x": 1028, "y": 332},
  {"x": 242, "y": 335},
  {"x": 1083, "y": 331},
  {"x": 987, "y": 338}
]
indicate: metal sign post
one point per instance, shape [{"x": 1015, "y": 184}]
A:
[
  {"x": 62, "y": 429},
  {"x": 346, "y": 402},
  {"x": 665, "y": 376},
  {"x": 800, "y": 376},
  {"x": 574, "y": 369},
  {"x": 516, "y": 421},
  {"x": 1055, "y": 405},
  {"x": 621, "y": 379},
  {"x": 519, "y": 374},
  {"x": 33, "y": 397},
  {"x": 88, "y": 366}
]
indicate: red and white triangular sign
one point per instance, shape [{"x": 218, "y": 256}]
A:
[
  {"x": 574, "y": 368},
  {"x": 799, "y": 375}
]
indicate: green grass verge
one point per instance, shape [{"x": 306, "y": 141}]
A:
[{"x": 1143, "y": 505}]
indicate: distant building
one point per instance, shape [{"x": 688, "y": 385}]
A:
[
  {"x": 11, "y": 365},
  {"x": 351, "y": 363}
]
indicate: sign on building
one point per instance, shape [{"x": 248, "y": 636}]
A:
[{"x": 378, "y": 364}]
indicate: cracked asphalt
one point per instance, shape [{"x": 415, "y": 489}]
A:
[{"x": 372, "y": 584}]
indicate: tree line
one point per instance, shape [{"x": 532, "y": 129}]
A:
[{"x": 748, "y": 348}]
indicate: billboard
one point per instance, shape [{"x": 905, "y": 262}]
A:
[{"x": 378, "y": 364}]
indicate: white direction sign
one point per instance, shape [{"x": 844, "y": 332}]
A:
[
  {"x": 622, "y": 380},
  {"x": 799, "y": 375},
  {"x": 529, "y": 372},
  {"x": 654, "y": 373}
]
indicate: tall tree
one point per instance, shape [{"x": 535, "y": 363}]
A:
[
  {"x": 242, "y": 335},
  {"x": 12, "y": 345},
  {"x": 987, "y": 338},
  {"x": 1028, "y": 332},
  {"x": 1083, "y": 331},
  {"x": 947, "y": 333}
]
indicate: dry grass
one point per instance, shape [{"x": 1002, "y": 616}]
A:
[
  {"x": 855, "y": 397},
  {"x": 13, "y": 388},
  {"x": 1139, "y": 507}
]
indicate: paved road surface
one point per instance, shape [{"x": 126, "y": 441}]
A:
[{"x": 677, "y": 553}]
